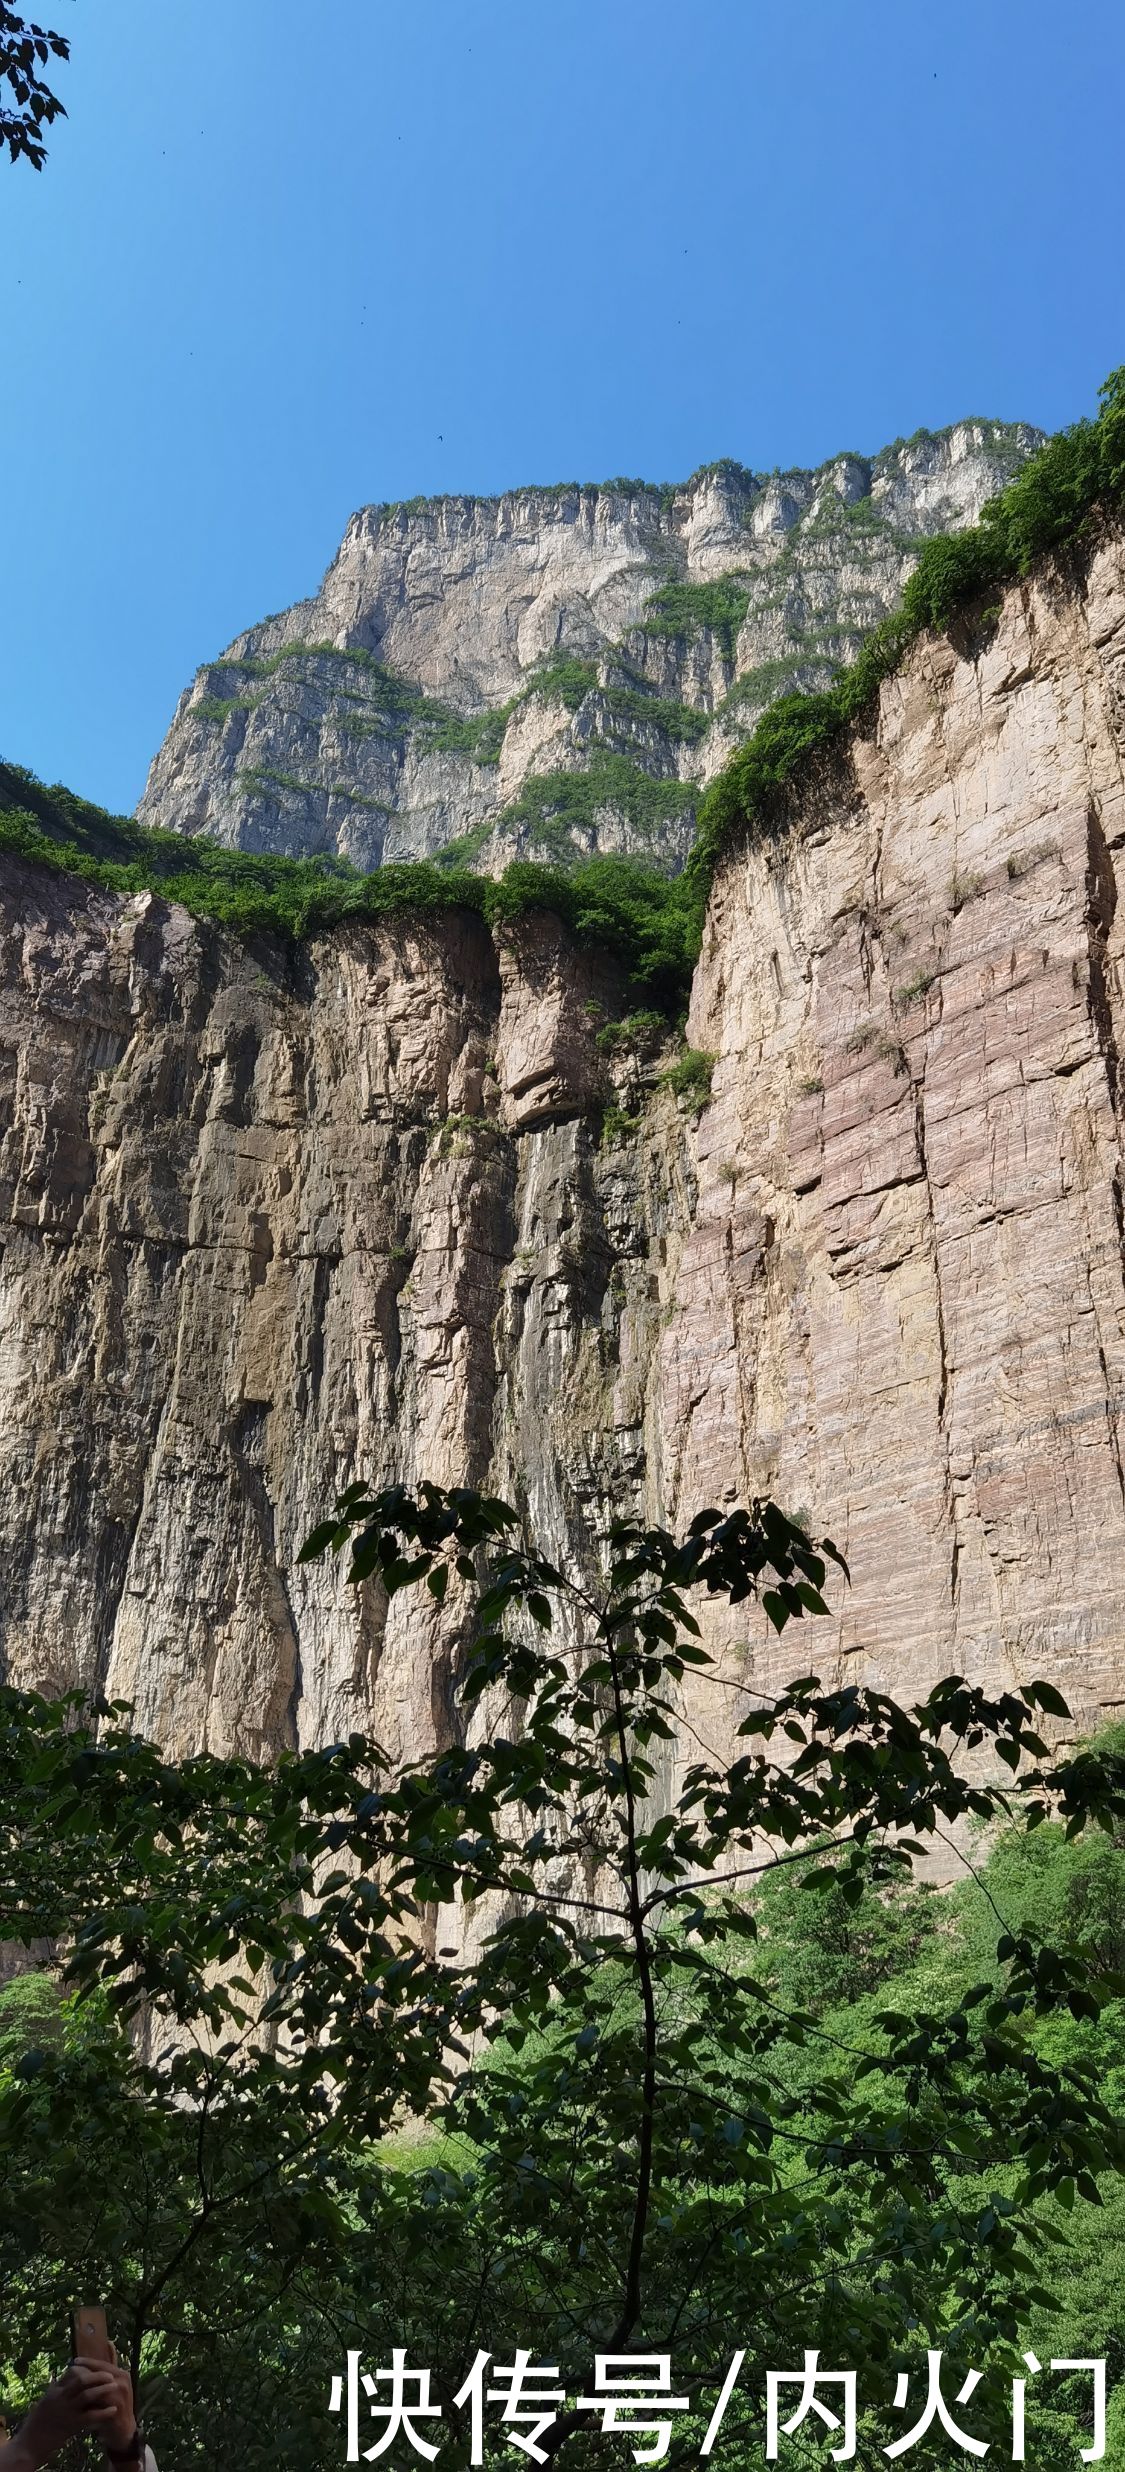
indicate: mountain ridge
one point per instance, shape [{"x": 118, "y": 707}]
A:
[
  {"x": 467, "y": 663},
  {"x": 635, "y": 485}
]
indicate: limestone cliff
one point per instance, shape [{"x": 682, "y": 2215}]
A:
[
  {"x": 554, "y": 671},
  {"x": 270, "y": 1222}
]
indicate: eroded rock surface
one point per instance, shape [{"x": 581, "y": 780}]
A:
[{"x": 272, "y": 1222}]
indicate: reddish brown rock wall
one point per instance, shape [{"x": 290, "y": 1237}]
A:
[{"x": 901, "y": 1295}]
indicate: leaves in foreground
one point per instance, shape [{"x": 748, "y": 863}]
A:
[{"x": 495, "y": 2048}]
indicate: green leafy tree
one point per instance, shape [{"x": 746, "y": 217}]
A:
[{"x": 283, "y": 2119}]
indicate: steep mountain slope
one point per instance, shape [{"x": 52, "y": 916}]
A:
[
  {"x": 395, "y": 1203},
  {"x": 554, "y": 671}
]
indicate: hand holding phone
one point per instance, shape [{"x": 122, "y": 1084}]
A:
[{"x": 89, "y": 2335}]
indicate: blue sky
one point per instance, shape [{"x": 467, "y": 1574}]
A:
[{"x": 286, "y": 259}]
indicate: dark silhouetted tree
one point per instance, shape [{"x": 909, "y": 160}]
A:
[{"x": 27, "y": 104}]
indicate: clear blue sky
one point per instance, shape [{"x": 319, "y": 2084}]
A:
[{"x": 288, "y": 258}]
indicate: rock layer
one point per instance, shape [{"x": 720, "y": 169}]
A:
[{"x": 271, "y": 1221}]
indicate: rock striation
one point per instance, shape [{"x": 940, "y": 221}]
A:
[
  {"x": 557, "y": 671},
  {"x": 394, "y": 1205}
]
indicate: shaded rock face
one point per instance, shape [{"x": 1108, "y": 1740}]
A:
[
  {"x": 462, "y": 654},
  {"x": 269, "y": 1224}
]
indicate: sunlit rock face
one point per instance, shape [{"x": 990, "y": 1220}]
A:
[
  {"x": 387, "y": 1208},
  {"x": 556, "y": 671}
]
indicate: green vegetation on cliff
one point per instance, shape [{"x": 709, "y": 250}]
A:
[
  {"x": 958, "y": 576},
  {"x": 651, "y": 923},
  {"x": 686, "y": 609},
  {"x": 555, "y": 809},
  {"x": 646, "y": 920},
  {"x": 391, "y": 704}
]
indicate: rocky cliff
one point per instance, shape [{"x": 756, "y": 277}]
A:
[
  {"x": 397, "y": 1206},
  {"x": 555, "y": 671}
]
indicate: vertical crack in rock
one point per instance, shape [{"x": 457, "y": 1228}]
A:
[
  {"x": 1101, "y": 908},
  {"x": 248, "y": 1447},
  {"x": 944, "y": 1374}
]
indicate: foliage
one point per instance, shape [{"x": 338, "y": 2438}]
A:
[
  {"x": 1047, "y": 506},
  {"x": 1001, "y": 439},
  {"x": 647, "y": 921},
  {"x": 555, "y": 809},
  {"x": 682, "y": 723},
  {"x": 617, "y": 1126},
  {"x": 481, "y": 734},
  {"x": 565, "y": 676},
  {"x": 32, "y": 2015},
  {"x": 393, "y": 703},
  {"x": 643, "y": 1029},
  {"x": 746, "y": 793},
  {"x": 265, "y": 779},
  {"x": 218, "y": 708},
  {"x": 690, "y": 1077},
  {"x": 617, "y": 2116},
  {"x": 829, "y": 1954},
  {"x": 25, "y": 50},
  {"x": 687, "y": 609},
  {"x": 213, "y": 2210},
  {"x": 770, "y": 679},
  {"x": 917, "y": 1952}
]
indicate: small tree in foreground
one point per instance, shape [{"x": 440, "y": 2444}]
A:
[{"x": 607, "y": 2128}]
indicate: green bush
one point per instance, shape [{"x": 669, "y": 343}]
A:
[
  {"x": 393, "y": 703},
  {"x": 647, "y": 920},
  {"x": 218, "y": 708},
  {"x": 680, "y": 722},
  {"x": 690, "y": 1077},
  {"x": 1049, "y": 503},
  {"x": 565, "y": 676},
  {"x": 554, "y": 808},
  {"x": 687, "y": 609},
  {"x": 636, "y": 1030},
  {"x": 618, "y": 1126}
]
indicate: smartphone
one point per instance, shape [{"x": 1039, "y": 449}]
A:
[{"x": 89, "y": 2334}]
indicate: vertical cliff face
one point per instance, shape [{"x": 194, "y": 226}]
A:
[
  {"x": 386, "y": 1208},
  {"x": 555, "y": 671},
  {"x": 901, "y": 1297}
]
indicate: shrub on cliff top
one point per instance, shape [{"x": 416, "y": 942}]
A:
[
  {"x": 646, "y": 920},
  {"x": 1048, "y": 503}
]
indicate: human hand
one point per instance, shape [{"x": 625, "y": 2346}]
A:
[
  {"x": 115, "y": 2418},
  {"x": 91, "y": 2395}
]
